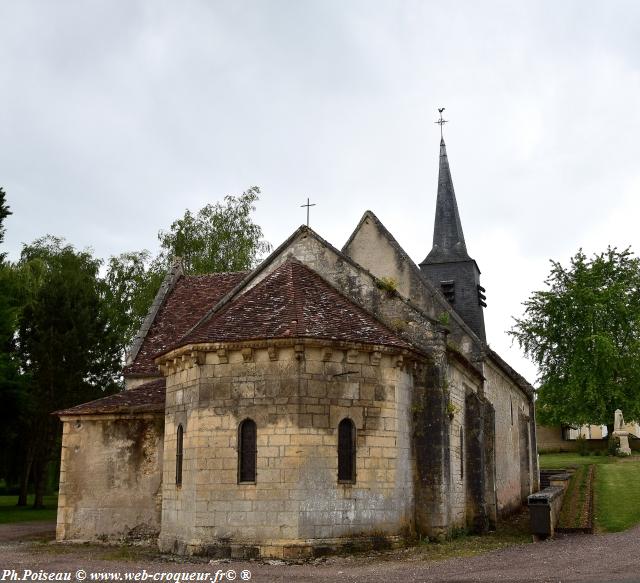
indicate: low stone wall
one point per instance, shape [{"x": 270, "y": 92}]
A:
[
  {"x": 550, "y": 440},
  {"x": 545, "y": 506}
]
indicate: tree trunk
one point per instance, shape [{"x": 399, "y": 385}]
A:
[
  {"x": 610, "y": 430},
  {"x": 39, "y": 478},
  {"x": 41, "y": 463},
  {"x": 24, "y": 479}
]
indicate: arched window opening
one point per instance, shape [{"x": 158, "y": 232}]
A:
[
  {"x": 179, "y": 454},
  {"x": 346, "y": 451},
  {"x": 461, "y": 453},
  {"x": 247, "y": 451}
]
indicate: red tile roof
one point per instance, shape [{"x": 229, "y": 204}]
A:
[
  {"x": 191, "y": 298},
  {"x": 292, "y": 302},
  {"x": 149, "y": 397}
]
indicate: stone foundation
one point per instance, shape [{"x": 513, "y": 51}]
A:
[{"x": 286, "y": 550}]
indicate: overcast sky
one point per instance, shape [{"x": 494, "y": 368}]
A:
[{"x": 115, "y": 116}]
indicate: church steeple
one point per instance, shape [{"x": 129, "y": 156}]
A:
[
  {"x": 448, "y": 238},
  {"x": 448, "y": 265}
]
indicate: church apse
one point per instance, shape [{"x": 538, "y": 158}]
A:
[{"x": 297, "y": 393}]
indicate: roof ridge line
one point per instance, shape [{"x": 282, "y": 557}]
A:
[
  {"x": 232, "y": 293},
  {"x": 287, "y": 278},
  {"x": 174, "y": 273}
]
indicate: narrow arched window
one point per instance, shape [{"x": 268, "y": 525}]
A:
[
  {"x": 346, "y": 451},
  {"x": 461, "y": 454},
  {"x": 247, "y": 451},
  {"x": 179, "y": 454}
]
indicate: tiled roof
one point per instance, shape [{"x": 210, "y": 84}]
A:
[
  {"x": 292, "y": 302},
  {"x": 148, "y": 397},
  {"x": 191, "y": 298}
]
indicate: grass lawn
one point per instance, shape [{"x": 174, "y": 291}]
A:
[
  {"x": 617, "y": 496},
  {"x": 576, "y": 504},
  {"x": 616, "y": 488},
  {"x": 551, "y": 461},
  {"x": 9, "y": 512}
]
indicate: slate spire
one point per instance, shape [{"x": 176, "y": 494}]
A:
[
  {"x": 448, "y": 238},
  {"x": 448, "y": 265}
]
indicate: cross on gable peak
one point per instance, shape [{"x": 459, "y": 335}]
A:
[{"x": 308, "y": 205}]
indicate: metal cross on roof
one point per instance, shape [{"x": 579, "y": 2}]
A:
[
  {"x": 307, "y": 205},
  {"x": 441, "y": 121}
]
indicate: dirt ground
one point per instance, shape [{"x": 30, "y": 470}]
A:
[{"x": 611, "y": 558}]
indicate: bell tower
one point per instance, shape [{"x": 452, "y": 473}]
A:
[{"x": 448, "y": 265}]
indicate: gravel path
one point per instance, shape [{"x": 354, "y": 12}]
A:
[
  {"x": 27, "y": 530},
  {"x": 614, "y": 558}
]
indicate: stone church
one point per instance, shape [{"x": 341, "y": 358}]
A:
[{"x": 326, "y": 399}]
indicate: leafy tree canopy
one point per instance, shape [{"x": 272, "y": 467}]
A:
[
  {"x": 132, "y": 281},
  {"x": 4, "y": 213},
  {"x": 66, "y": 345},
  {"x": 12, "y": 382},
  {"x": 219, "y": 237},
  {"x": 65, "y": 336},
  {"x": 583, "y": 332}
]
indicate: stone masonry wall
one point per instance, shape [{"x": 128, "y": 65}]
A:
[
  {"x": 297, "y": 395},
  {"x": 551, "y": 439},
  {"x": 110, "y": 477},
  {"x": 508, "y": 401},
  {"x": 459, "y": 382},
  {"x": 371, "y": 248}
]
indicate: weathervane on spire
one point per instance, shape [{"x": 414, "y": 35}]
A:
[{"x": 441, "y": 121}]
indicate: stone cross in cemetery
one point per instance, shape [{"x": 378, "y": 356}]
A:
[{"x": 621, "y": 434}]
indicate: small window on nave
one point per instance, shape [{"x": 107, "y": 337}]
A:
[
  {"x": 247, "y": 451},
  {"x": 461, "y": 453},
  {"x": 179, "y": 454},
  {"x": 346, "y": 451}
]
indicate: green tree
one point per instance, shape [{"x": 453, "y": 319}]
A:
[
  {"x": 132, "y": 281},
  {"x": 66, "y": 343},
  {"x": 219, "y": 237},
  {"x": 4, "y": 213},
  {"x": 583, "y": 332},
  {"x": 12, "y": 380}
]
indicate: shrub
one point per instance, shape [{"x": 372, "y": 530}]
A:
[
  {"x": 387, "y": 284},
  {"x": 583, "y": 446}
]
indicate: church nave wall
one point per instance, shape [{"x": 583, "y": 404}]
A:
[{"x": 513, "y": 448}]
